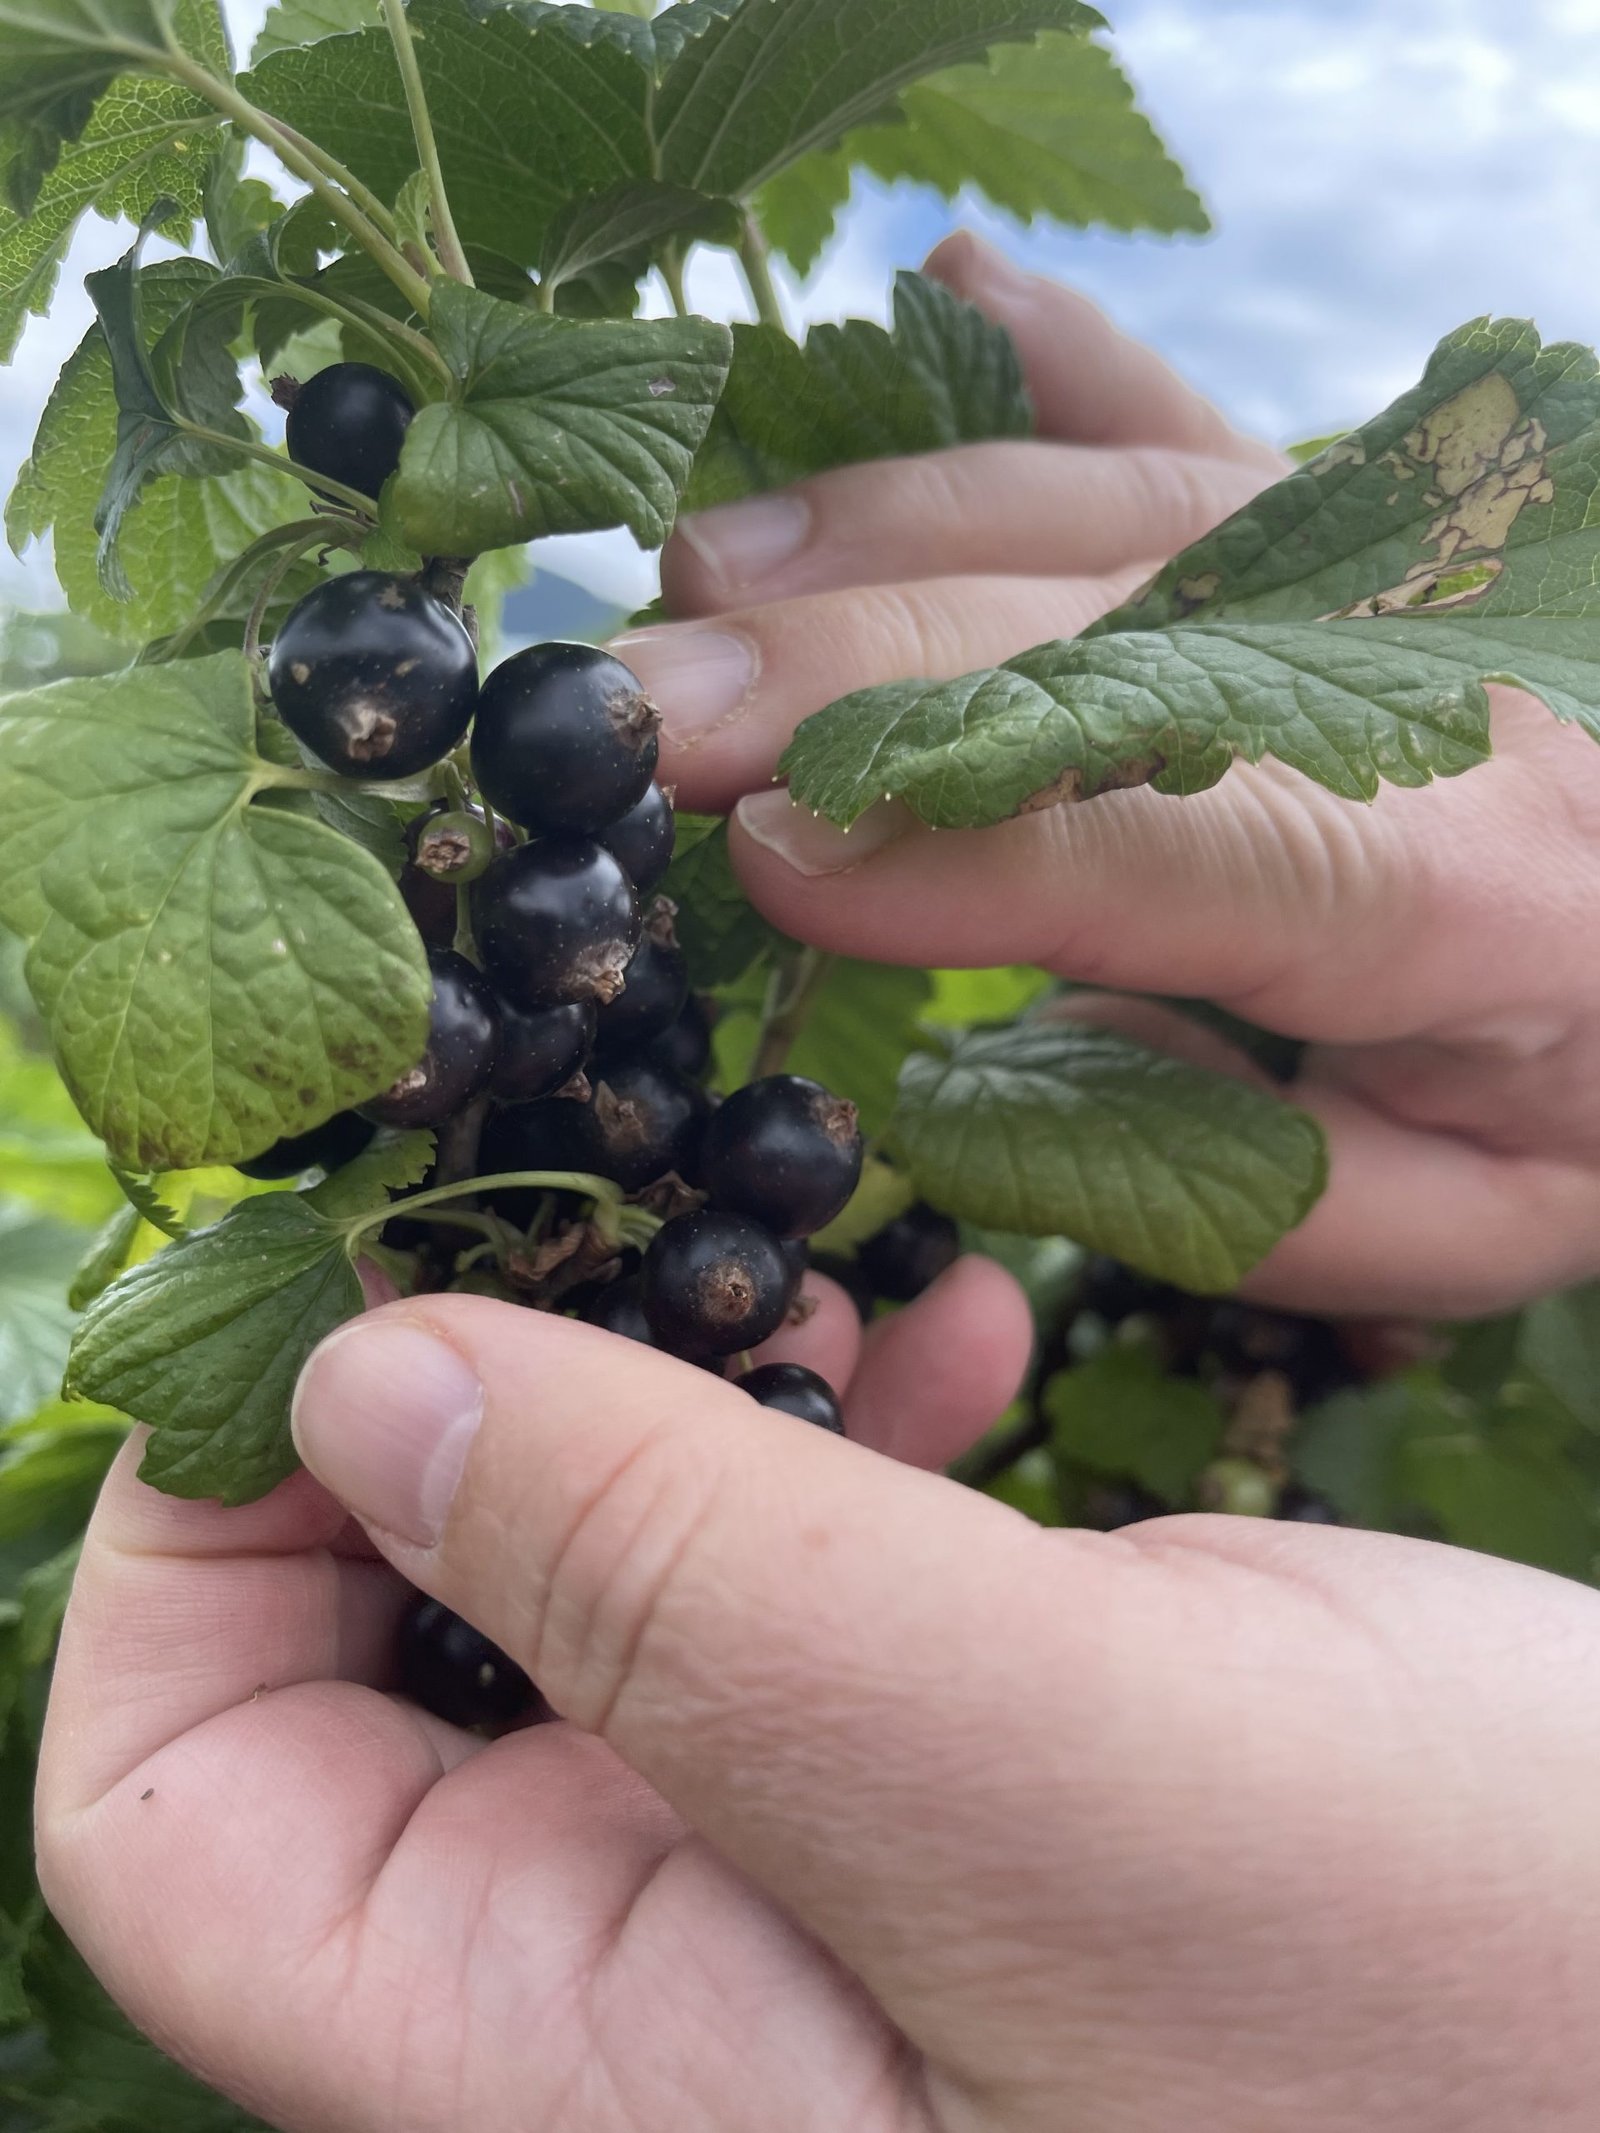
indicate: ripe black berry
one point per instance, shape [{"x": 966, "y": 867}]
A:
[
  {"x": 644, "y": 839},
  {"x": 785, "y": 1152},
  {"x": 565, "y": 740},
  {"x": 1307, "y": 1351},
  {"x": 850, "y": 1277},
  {"x": 910, "y": 1254},
  {"x": 655, "y": 989},
  {"x": 327, "y": 1147},
  {"x": 619, "y": 1309},
  {"x": 463, "y": 1037},
  {"x": 453, "y": 1670},
  {"x": 432, "y": 905},
  {"x": 794, "y": 1390},
  {"x": 557, "y": 923},
  {"x": 1306, "y": 1508},
  {"x": 376, "y": 676},
  {"x": 716, "y": 1283},
  {"x": 686, "y": 1047},
  {"x": 537, "y": 1137},
  {"x": 1116, "y": 1292},
  {"x": 349, "y": 423},
  {"x": 642, "y": 1121},
  {"x": 541, "y": 1053}
]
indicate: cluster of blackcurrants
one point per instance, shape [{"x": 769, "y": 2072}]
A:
[{"x": 562, "y": 1025}]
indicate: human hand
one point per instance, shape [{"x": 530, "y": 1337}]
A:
[
  {"x": 1434, "y": 948},
  {"x": 880, "y": 1811}
]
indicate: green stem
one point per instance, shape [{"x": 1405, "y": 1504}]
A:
[
  {"x": 600, "y": 1190},
  {"x": 379, "y": 324},
  {"x": 758, "y": 274},
  {"x": 300, "y": 535},
  {"x": 672, "y": 266},
  {"x": 789, "y": 1000},
  {"x": 363, "y": 195},
  {"x": 452, "y": 255},
  {"x": 247, "y": 448},
  {"x": 261, "y": 126}
]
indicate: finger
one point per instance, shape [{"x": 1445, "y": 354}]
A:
[
  {"x": 1030, "y": 510},
  {"x": 827, "y": 1339},
  {"x": 1090, "y": 383},
  {"x": 763, "y": 1622},
  {"x": 731, "y": 693},
  {"x": 1302, "y": 912},
  {"x": 935, "y": 1376}
]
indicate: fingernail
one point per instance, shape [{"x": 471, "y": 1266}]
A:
[
  {"x": 740, "y": 544},
  {"x": 700, "y": 678},
  {"x": 810, "y": 843},
  {"x": 384, "y": 1416}
]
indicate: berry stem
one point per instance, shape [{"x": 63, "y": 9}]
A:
[
  {"x": 600, "y": 1190},
  {"x": 758, "y": 275},
  {"x": 452, "y": 255},
  {"x": 790, "y": 994},
  {"x": 261, "y": 126}
]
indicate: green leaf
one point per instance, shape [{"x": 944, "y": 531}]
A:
[
  {"x": 216, "y": 976},
  {"x": 1030, "y": 1487},
  {"x": 1504, "y": 1492},
  {"x": 944, "y": 376},
  {"x": 37, "y": 1258},
  {"x": 148, "y": 141},
  {"x": 1052, "y": 1129},
  {"x": 720, "y": 930},
  {"x": 774, "y": 79},
  {"x": 46, "y": 1157},
  {"x": 293, "y": 22},
  {"x": 962, "y": 999},
  {"x": 1122, "y": 1416},
  {"x": 1558, "y": 1345},
  {"x": 204, "y": 1343},
  {"x": 629, "y": 223},
  {"x": 527, "y": 116},
  {"x": 557, "y": 427},
  {"x": 862, "y": 1021},
  {"x": 1345, "y": 622},
  {"x": 393, "y": 1163},
  {"x": 1049, "y": 130}
]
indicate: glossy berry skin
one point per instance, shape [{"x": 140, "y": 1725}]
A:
[
  {"x": 557, "y": 923},
  {"x": 848, "y": 1275},
  {"x": 432, "y": 905},
  {"x": 537, "y": 1136},
  {"x": 655, "y": 992},
  {"x": 793, "y": 1390},
  {"x": 643, "y": 840},
  {"x": 452, "y": 1670},
  {"x": 1305, "y": 1508},
  {"x": 642, "y": 1121},
  {"x": 374, "y": 675},
  {"x": 686, "y": 1046},
  {"x": 565, "y": 740},
  {"x": 619, "y": 1309},
  {"x": 715, "y": 1284},
  {"x": 327, "y": 1147},
  {"x": 463, "y": 1039},
  {"x": 349, "y": 423},
  {"x": 784, "y": 1152},
  {"x": 908, "y": 1255},
  {"x": 541, "y": 1053}
]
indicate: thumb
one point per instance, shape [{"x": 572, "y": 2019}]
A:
[{"x": 804, "y": 1647}]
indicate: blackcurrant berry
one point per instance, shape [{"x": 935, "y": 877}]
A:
[
  {"x": 686, "y": 1047},
  {"x": 642, "y": 1121},
  {"x": 794, "y": 1390},
  {"x": 327, "y": 1147},
  {"x": 910, "y": 1253},
  {"x": 541, "y": 1053},
  {"x": 537, "y": 1137},
  {"x": 655, "y": 989},
  {"x": 1112, "y": 1505},
  {"x": 432, "y": 905},
  {"x": 850, "y": 1277},
  {"x": 619, "y": 1309},
  {"x": 1306, "y": 1508},
  {"x": 557, "y": 923},
  {"x": 1307, "y": 1351},
  {"x": 376, "y": 676},
  {"x": 643, "y": 840},
  {"x": 565, "y": 740},
  {"x": 784, "y": 1152},
  {"x": 349, "y": 423},
  {"x": 453, "y": 1671},
  {"x": 716, "y": 1283},
  {"x": 463, "y": 1038},
  {"x": 1115, "y": 1292}
]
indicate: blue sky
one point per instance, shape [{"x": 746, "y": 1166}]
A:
[{"x": 1379, "y": 170}]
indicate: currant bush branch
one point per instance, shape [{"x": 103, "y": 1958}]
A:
[{"x": 452, "y": 254}]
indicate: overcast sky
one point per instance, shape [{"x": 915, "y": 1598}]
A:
[{"x": 1378, "y": 172}]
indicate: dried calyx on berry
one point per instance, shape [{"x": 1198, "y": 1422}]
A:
[
  {"x": 557, "y": 923},
  {"x": 655, "y": 988},
  {"x": 715, "y": 1284}
]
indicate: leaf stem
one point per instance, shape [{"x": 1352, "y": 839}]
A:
[
  {"x": 758, "y": 275},
  {"x": 600, "y": 1190},
  {"x": 790, "y": 995},
  {"x": 363, "y": 195},
  {"x": 299, "y": 535},
  {"x": 673, "y": 263},
  {"x": 452, "y": 255},
  {"x": 261, "y": 126}
]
